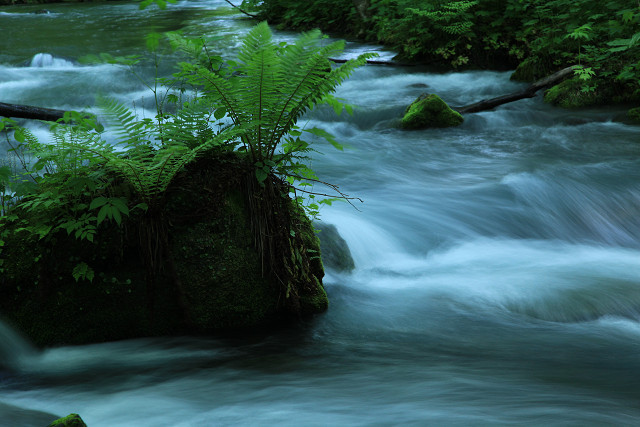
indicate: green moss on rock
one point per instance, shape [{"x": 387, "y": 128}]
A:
[
  {"x": 221, "y": 272},
  {"x": 313, "y": 297},
  {"x": 314, "y": 300},
  {"x": 634, "y": 115},
  {"x": 576, "y": 93},
  {"x": 530, "y": 70},
  {"x": 39, "y": 296},
  {"x": 570, "y": 94},
  {"x": 429, "y": 110},
  {"x": 71, "y": 420}
]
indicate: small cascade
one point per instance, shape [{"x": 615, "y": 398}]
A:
[
  {"x": 46, "y": 60},
  {"x": 13, "y": 348}
]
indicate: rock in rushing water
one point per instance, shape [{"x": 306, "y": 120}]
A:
[
  {"x": 429, "y": 110},
  {"x": 335, "y": 251},
  {"x": 212, "y": 277},
  {"x": 71, "y": 420}
]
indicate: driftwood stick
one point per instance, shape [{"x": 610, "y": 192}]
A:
[{"x": 528, "y": 92}]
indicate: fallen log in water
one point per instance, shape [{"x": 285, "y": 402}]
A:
[
  {"x": 529, "y": 92},
  {"x": 30, "y": 112}
]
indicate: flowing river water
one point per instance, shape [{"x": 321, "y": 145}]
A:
[{"x": 497, "y": 274}]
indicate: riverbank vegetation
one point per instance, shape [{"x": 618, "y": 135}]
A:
[
  {"x": 535, "y": 37},
  {"x": 192, "y": 220}
]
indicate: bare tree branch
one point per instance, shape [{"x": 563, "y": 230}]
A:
[
  {"x": 332, "y": 186},
  {"x": 529, "y": 92},
  {"x": 243, "y": 11}
]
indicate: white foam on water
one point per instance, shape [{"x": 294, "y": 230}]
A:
[
  {"x": 46, "y": 60},
  {"x": 15, "y": 350}
]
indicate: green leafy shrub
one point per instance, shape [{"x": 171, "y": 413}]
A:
[
  {"x": 300, "y": 15},
  {"x": 268, "y": 89},
  {"x": 543, "y": 36}
]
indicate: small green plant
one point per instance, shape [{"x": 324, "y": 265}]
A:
[{"x": 580, "y": 34}]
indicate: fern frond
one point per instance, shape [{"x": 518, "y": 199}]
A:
[
  {"x": 150, "y": 173},
  {"x": 256, "y": 89},
  {"x": 128, "y": 128},
  {"x": 191, "y": 125}
]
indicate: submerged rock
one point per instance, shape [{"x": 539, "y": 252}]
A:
[
  {"x": 46, "y": 60},
  {"x": 11, "y": 415},
  {"x": 429, "y": 110},
  {"x": 335, "y": 251}
]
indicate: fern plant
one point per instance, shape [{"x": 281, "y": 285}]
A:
[
  {"x": 268, "y": 89},
  {"x": 155, "y": 151},
  {"x": 264, "y": 92}
]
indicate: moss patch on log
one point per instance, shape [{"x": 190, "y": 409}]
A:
[{"x": 576, "y": 93}]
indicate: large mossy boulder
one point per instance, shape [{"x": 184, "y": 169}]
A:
[
  {"x": 429, "y": 110},
  {"x": 211, "y": 277}
]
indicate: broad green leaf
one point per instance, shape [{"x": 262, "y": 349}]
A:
[
  {"x": 5, "y": 173},
  {"x": 261, "y": 175},
  {"x": 120, "y": 204},
  {"x": 102, "y": 214},
  {"x": 97, "y": 202}
]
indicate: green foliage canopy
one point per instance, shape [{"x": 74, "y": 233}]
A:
[{"x": 602, "y": 36}]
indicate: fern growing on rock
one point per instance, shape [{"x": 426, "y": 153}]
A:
[
  {"x": 248, "y": 109},
  {"x": 264, "y": 92},
  {"x": 269, "y": 88}
]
